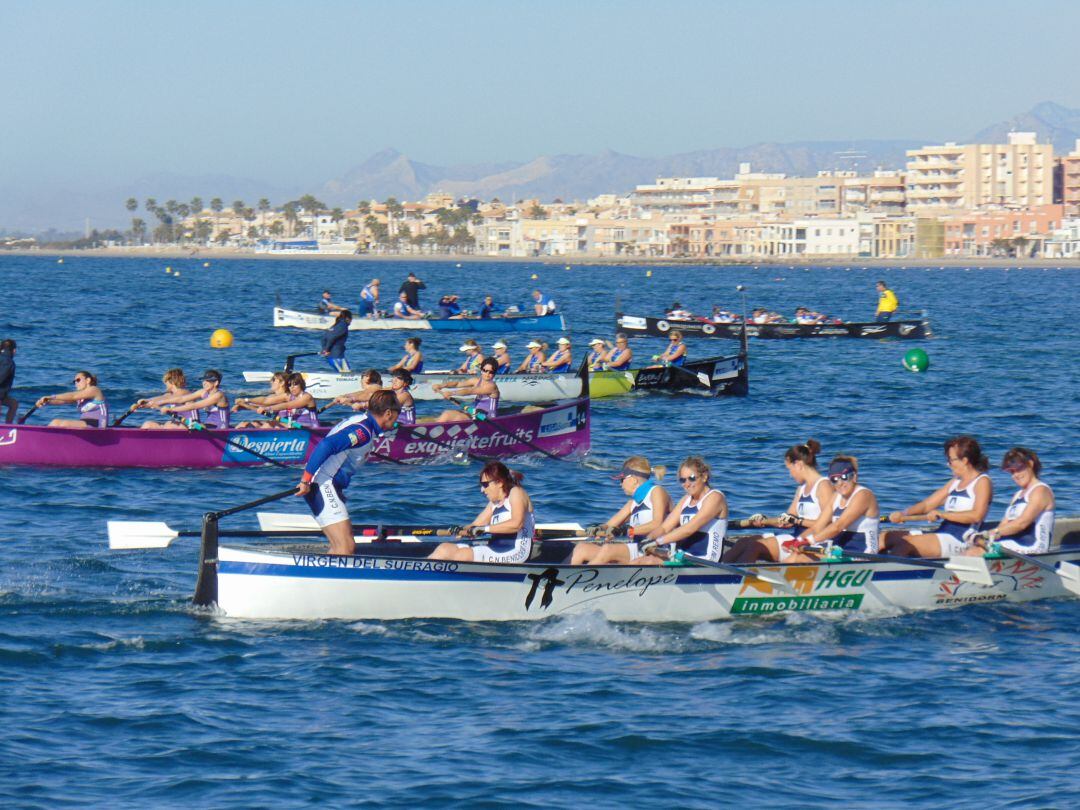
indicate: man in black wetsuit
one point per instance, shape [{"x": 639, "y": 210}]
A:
[{"x": 411, "y": 287}]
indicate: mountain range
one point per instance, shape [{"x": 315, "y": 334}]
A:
[{"x": 390, "y": 173}]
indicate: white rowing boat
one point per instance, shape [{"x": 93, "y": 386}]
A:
[
  {"x": 294, "y": 581},
  {"x": 299, "y": 319}
]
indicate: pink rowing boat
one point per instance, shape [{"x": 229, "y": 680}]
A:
[{"x": 559, "y": 430}]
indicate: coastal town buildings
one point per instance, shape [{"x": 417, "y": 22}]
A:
[{"x": 1068, "y": 181}]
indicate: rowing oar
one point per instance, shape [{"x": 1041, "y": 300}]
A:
[
  {"x": 134, "y": 407},
  {"x": 772, "y": 579},
  {"x": 125, "y": 534},
  {"x": 480, "y": 416},
  {"x": 968, "y": 569},
  {"x": 26, "y": 415}
]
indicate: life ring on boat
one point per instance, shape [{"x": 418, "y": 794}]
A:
[
  {"x": 663, "y": 326},
  {"x": 708, "y": 329}
]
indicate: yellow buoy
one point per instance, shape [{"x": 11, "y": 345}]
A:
[
  {"x": 168, "y": 271},
  {"x": 648, "y": 274},
  {"x": 534, "y": 277},
  {"x": 221, "y": 339}
]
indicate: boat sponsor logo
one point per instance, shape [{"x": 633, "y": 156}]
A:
[
  {"x": 632, "y": 322},
  {"x": 1010, "y": 576},
  {"x": 872, "y": 330},
  {"x": 708, "y": 329},
  {"x": 725, "y": 369},
  {"x": 556, "y": 423},
  {"x": 373, "y": 563},
  {"x": 906, "y": 329},
  {"x": 831, "y": 332},
  {"x": 663, "y": 326},
  {"x": 812, "y": 588},
  {"x": 289, "y": 445},
  {"x": 10, "y": 437}
]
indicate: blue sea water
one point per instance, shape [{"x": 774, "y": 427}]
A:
[{"x": 115, "y": 692}]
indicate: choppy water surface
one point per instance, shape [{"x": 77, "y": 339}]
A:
[{"x": 114, "y": 691}]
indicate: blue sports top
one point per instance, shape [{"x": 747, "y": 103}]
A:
[
  {"x": 343, "y": 450},
  {"x": 563, "y": 355},
  {"x": 617, "y": 358}
]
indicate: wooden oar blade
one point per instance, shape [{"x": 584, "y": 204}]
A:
[
  {"x": 970, "y": 569},
  {"x": 1070, "y": 576},
  {"x": 128, "y": 534}
]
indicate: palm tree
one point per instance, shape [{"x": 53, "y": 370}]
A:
[
  {"x": 196, "y": 205},
  {"x": 264, "y": 206},
  {"x": 150, "y": 205},
  {"x": 131, "y": 204},
  {"x": 363, "y": 208},
  {"x": 138, "y": 229},
  {"x": 291, "y": 217}
]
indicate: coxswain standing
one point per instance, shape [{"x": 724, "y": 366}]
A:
[
  {"x": 209, "y": 405},
  {"x": 333, "y": 342},
  {"x": 333, "y": 463},
  {"x": 887, "y": 302},
  {"x": 7, "y": 378},
  {"x": 411, "y": 286},
  {"x": 1028, "y": 525},
  {"x": 507, "y": 520},
  {"x": 369, "y": 299},
  {"x": 961, "y": 506},
  {"x": 93, "y": 410},
  {"x": 649, "y": 504}
]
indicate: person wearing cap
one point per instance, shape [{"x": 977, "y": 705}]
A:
[
  {"x": 534, "y": 360},
  {"x": 674, "y": 353},
  {"x": 333, "y": 342},
  {"x": 648, "y": 505},
  {"x": 474, "y": 356},
  {"x": 327, "y": 305},
  {"x": 1028, "y": 525},
  {"x": 399, "y": 384},
  {"x": 412, "y": 360},
  {"x": 369, "y": 299},
  {"x": 482, "y": 388},
  {"x": 561, "y": 359},
  {"x": 854, "y": 522},
  {"x": 810, "y": 510},
  {"x": 620, "y": 355},
  {"x": 403, "y": 310},
  {"x": 502, "y": 357},
  {"x": 209, "y": 405},
  {"x": 87, "y": 397},
  {"x": 542, "y": 304},
  {"x": 333, "y": 463},
  {"x": 595, "y": 357}
]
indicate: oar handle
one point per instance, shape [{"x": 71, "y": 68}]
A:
[
  {"x": 26, "y": 415},
  {"x": 126, "y": 414},
  {"x": 277, "y": 496}
]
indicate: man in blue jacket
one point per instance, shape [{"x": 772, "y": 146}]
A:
[{"x": 7, "y": 378}]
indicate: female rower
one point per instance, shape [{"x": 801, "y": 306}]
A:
[
  {"x": 1028, "y": 525},
  {"x": 696, "y": 525},
  {"x": 502, "y": 357},
  {"x": 297, "y": 411},
  {"x": 209, "y": 405},
  {"x": 595, "y": 357},
  {"x": 674, "y": 353},
  {"x": 413, "y": 360},
  {"x": 333, "y": 342},
  {"x": 175, "y": 388},
  {"x": 534, "y": 360},
  {"x": 483, "y": 388},
  {"x": 810, "y": 510},
  {"x": 93, "y": 410},
  {"x": 561, "y": 360},
  {"x": 854, "y": 519},
  {"x": 649, "y": 504},
  {"x": 399, "y": 384},
  {"x": 961, "y": 506},
  {"x": 279, "y": 384},
  {"x": 620, "y": 355},
  {"x": 370, "y": 382},
  {"x": 508, "y": 519},
  {"x": 474, "y": 356}
]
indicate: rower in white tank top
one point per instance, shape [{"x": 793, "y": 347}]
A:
[
  {"x": 1035, "y": 539},
  {"x": 506, "y": 548},
  {"x": 708, "y": 541},
  {"x": 863, "y": 535}
]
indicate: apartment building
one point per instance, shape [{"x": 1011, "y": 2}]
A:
[
  {"x": 953, "y": 177},
  {"x": 1064, "y": 243},
  {"x": 992, "y": 233},
  {"x": 1067, "y": 181},
  {"x": 882, "y": 192}
]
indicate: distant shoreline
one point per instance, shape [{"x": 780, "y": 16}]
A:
[{"x": 225, "y": 253}]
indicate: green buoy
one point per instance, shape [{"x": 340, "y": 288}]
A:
[{"x": 916, "y": 360}]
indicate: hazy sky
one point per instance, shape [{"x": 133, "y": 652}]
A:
[{"x": 299, "y": 91}]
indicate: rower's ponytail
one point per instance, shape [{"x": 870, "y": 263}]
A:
[
  {"x": 806, "y": 453},
  {"x": 659, "y": 471}
]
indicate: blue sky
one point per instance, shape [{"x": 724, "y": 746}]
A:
[{"x": 93, "y": 92}]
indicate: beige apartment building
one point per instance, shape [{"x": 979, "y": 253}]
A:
[
  {"x": 1018, "y": 173},
  {"x": 1069, "y": 181}
]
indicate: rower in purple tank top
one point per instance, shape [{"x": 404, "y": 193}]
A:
[
  {"x": 483, "y": 389},
  {"x": 93, "y": 411},
  {"x": 298, "y": 411},
  {"x": 208, "y": 406}
]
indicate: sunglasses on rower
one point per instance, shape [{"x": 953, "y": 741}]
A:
[
  {"x": 836, "y": 479},
  {"x": 687, "y": 479},
  {"x": 485, "y": 484}
]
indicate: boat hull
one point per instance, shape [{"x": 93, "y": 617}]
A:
[
  {"x": 299, "y": 319},
  {"x": 646, "y": 326},
  {"x": 254, "y": 583}
]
